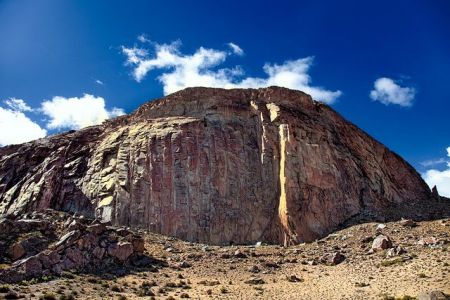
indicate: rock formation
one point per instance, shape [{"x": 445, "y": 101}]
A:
[
  {"x": 50, "y": 243},
  {"x": 216, "y": 166}
]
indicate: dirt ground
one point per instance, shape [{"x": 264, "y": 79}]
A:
[{"x": 272, "y": 272}]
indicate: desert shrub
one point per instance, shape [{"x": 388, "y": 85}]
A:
[
  {"x": 115, "y": 288},
  {"x": 4, "y": 288},
  {"x": 48, "y": 296}
]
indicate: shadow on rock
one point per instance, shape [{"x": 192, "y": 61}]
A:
[{"x": 69, "y": 244}]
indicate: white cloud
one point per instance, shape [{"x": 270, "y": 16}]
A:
[
  {"x": 15, "y": 126},
  {"x": 200, "y": 69},
  {"x": 98, "y": 81},
  {"x": 143, "y": 38},
  {"x": 433, "y": 162},
  {"x": 387, "y": 91},
  {"x": 441, "y": 179},
  {"x": 17, "y": 104},
  {"x": 77, "y": 112},
  {"x": 236, "y": 49}
]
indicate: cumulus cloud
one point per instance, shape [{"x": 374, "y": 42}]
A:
[
  {"x": 441, "y": 179},
  {"x": 15, "y": 126},
  {"x": 388, "y": 91},
  {"x": 236, "y": 49},
  {"x": 77, "y": 112},
  {"x": 201, "y": 69}
]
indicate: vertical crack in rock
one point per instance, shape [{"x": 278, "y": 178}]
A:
[{"x": 283, "y": 213}]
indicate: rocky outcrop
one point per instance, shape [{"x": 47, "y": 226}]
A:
[
  {"x": 66, "y": 243},
  {"x": 216, "y": 166}
]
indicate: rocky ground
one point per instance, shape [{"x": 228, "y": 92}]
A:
[{"x": 396, "y": 260}]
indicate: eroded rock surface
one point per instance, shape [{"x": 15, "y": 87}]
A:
[
  {"x": 63, "y": 243},
  {"x": 217, "y": 166}
]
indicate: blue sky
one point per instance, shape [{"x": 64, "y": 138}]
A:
[{"x": 383, "y": 65}]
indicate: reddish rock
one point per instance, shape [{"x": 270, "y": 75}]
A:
[
  {"x": 381, "y": 242},
  {"x": 49, "y": 258},
  {"x": 427, "y": 241},
  {"x": 332, "y": 258},
  {"x": 216, "y": 166},
  {"x": 121, "y": 250},
  {"x": 16, "y": 251},
  {"x": 30, "y": 266},
  {"x": 138, "y": 244},
  {"x": 97, "y": 229},
  {"x": 67, "y": 239},
  {"x": 408, "y": 223},
  {"x": 98, "y": 252}
]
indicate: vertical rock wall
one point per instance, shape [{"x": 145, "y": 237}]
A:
[{"x": 214, "y": 166}]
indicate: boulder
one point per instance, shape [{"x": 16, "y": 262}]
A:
[
  {"x": 138, "y": 244},
  {"x": 332, "y": 258},
  {"x": 381, "y": 242},
  {"x": 16, "y": 251},
  {"x": 122, "y": 250},
  {"x": 30, "y": 266}
]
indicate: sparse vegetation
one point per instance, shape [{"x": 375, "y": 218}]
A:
[
  {"x": 4, "y": 288},
  {"x": 115, "y": 288},
  {"x": 48, "y": 296},
  {"x": 391, "y": 262}
]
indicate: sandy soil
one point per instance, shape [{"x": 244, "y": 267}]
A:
[{"x": 272, "y": 272}]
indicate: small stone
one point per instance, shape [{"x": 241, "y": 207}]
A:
[
  {"x": 428, "y": 241},
  {"x": 381, "y": 227},
  {"x": 293, "y": 278},
  {"x": 254, "y": 269},
  {"x": 332, "y": 258},
  {"x": 408, "y": 223},
  {"x": 184, "y": 264},
  {"x": 381, "y": 242},
  {"x": 255, "y": 280},
  {"x": 239, "y": 254},
  {"x": 395, "y": 251}
]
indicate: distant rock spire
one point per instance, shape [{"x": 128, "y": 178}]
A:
[{"x": 435, "y": 193}]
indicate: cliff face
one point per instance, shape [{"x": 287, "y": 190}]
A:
[{"x": 216, "y": 166}]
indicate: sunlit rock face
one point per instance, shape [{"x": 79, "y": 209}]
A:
[{"x": 216, "y": 166}]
